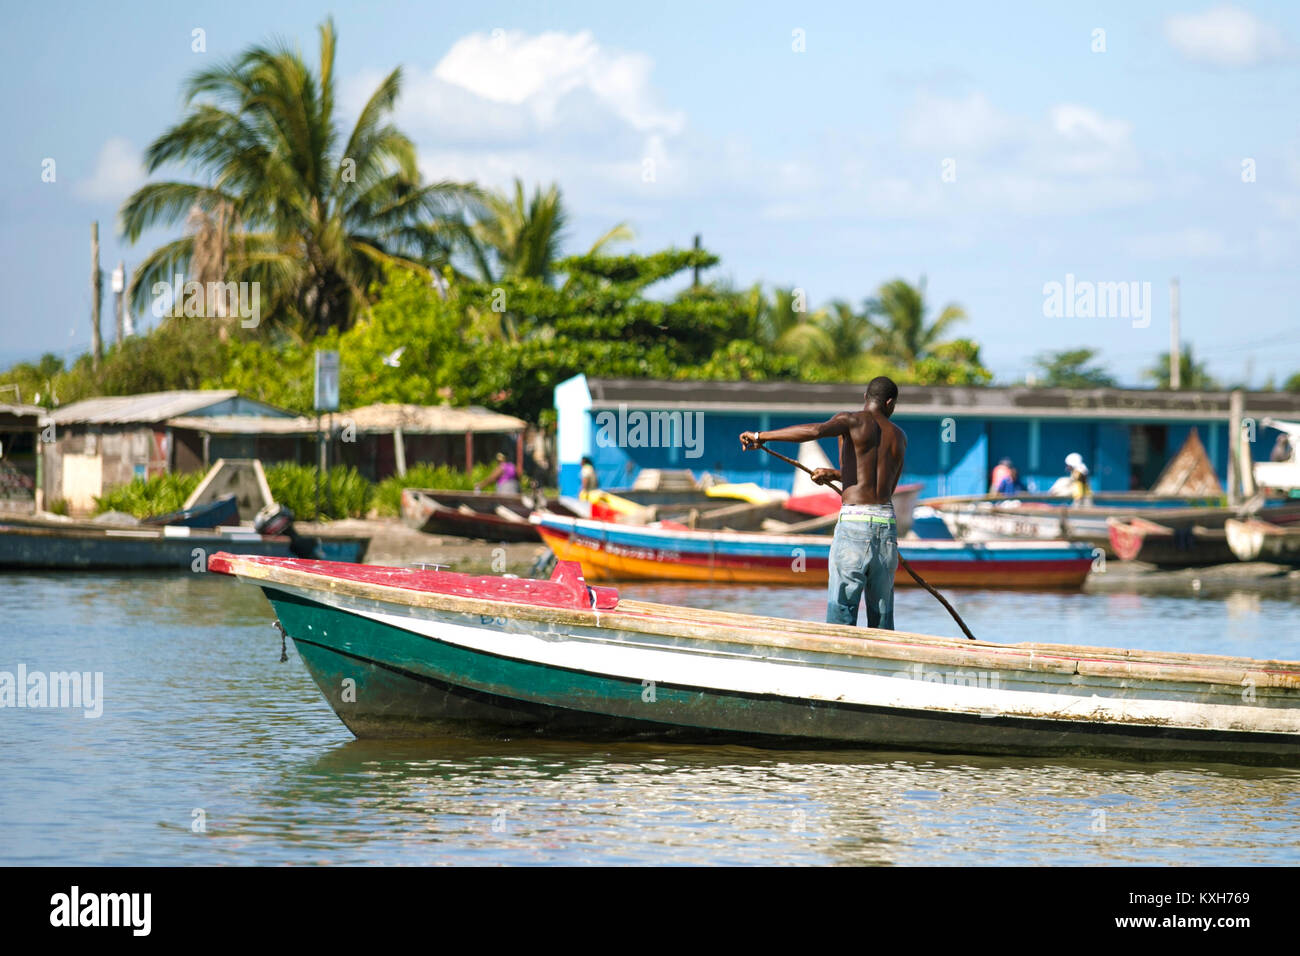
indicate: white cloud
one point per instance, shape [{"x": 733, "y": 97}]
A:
[
  {"x": 1080, "y": 140},
  {"x": 956, "y": 125},
  {"x": 538, "y": 72},
  {"x": 1193, "y": 242},
  {"x": 1225, "y": 36},
  {"x": 118, "y": 172}
]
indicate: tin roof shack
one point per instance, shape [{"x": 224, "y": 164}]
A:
[
  {"x": 100, "y": 443},
  {"x": 955, "y": 434},
  {"x": 19, "y": 462},
  {"x": 377, "y": 440}
]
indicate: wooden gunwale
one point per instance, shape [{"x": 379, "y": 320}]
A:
[{"x": 732, "y": 628}]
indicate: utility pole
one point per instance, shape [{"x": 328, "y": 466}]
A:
[
  {"x": 96, "y": 299},
  {"x": 1175, "y": 347},
  {"x": 696, "y": 281},
  {"x": 119, "y": 294}
]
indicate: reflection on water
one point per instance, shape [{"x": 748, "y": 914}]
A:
[{"x": 202, "y": 723}]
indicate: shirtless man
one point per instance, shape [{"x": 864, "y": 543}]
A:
[{"x": 864, "y": 552}]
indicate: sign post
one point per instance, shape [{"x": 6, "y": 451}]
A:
[{"x": 326, "y": 400}]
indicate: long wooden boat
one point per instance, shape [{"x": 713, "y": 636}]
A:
[
  {"x": 622, "y": 552},
  {"x": 471, "y": 514},
  {"x": 1048, "y": 517},
  {"x": 398, "y": 652},
  {"x": 1256, "y": 540},
  {"x": 1169, "y": 547},
  {"x": 85, "y": 545}
]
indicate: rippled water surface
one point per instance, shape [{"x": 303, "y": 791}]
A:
[{"x": 210, "y": 750}]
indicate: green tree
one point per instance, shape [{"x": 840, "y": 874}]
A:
[
  {"x": 283, "y": 197},
  {"x": 903, "y": 333},
  {"x": 1193, "y": 374},
  {"x": 519, "y": 237},
  {"x": 1070, "y": 368},
  {"x": 1292, "y": 384}
]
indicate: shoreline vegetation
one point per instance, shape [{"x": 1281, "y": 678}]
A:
[{"x": 344, "y": 493}]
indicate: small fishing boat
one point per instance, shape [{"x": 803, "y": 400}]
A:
[
  {"x": 1046, "y": 517},
  {"x": 472, "y": 514},
  {"x": 622, "y": 552},
  {"x": 1169, "y": 547},
  {"x": 1263, "y": 541},
  {"x": 399, "y": 652},
  {"x": 213, "y": 514},
  {"x": 78, "y": 545}
]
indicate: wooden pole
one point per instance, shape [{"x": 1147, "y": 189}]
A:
[
  {"x": 469, "y": 451},
  {"x": 1235, "y": 406},
  {"x": 119, "y": 297},
  {"x": 696, "y": 280},
  {"x": 1175, "y": 346},
  {"x": 399, "y": 450},
  {"x": 96, "y": 299}
]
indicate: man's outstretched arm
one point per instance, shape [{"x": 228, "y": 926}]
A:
[{"x": 832, "y": 428}]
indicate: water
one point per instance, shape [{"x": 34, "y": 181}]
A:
[{"x": 203, "y": 725}]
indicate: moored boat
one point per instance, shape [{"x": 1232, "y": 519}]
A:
[
  {"x": 1169, "y": 547},
  {"x": 472, "y": 514},
  {"x": 54, "y": 545},
  {"x": 1046, "y": 517},
  {"x": 398, "y": 652},
  {"x": 621, "y": 552},
  {"x": 1257, "y": 540}
]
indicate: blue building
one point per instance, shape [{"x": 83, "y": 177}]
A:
[{"x": 955, "y": 434}]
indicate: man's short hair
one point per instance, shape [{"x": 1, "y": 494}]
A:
[{"x": 882, "y": 389}]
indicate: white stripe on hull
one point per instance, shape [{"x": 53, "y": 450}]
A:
[{"x": 637, "y": 656}]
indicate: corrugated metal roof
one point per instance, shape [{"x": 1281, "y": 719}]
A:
[
  {"x": 21, "y": 411},
  {"x": 994, "y": 401},
  {"x": 150, "y": 408},
  {"x": 370, "y": 419}
]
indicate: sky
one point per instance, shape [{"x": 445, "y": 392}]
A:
[{"x": 995, "y": 149}]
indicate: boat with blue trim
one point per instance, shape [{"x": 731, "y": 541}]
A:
[{"x": 610, "y": 551}]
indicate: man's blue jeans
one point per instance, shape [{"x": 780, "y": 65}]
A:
[{"x": 864, "y": 557}]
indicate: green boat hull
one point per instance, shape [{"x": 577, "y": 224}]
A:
[{"x": 385, "y": 681}]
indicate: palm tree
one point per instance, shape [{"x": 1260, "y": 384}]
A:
[
  {"x": 902, "y": 332},
  {"x": 310, "y": 216},
  {"x": 1191, "y": 373},
  {"x": 523, "y": 235}
]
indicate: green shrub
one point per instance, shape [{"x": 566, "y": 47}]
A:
[
  {"x": 344, "y": 493},
  {"x": 146, "y": 497},
  {"x": 388, "y": 493}
]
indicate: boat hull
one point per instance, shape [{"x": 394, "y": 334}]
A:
[
  {"x": 617, "y": 552},
  {"x": 25, "y": 547},
  {"x": 394, "y": 669},
  {"x": 987, "y": 518},
  {"x": 466, "y": 514}
]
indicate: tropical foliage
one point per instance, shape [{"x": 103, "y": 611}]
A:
[
  {"x": 1071, "y": 368},
  {"x": 283, "y": 198},
  {"x": 1191, "y": 373}
]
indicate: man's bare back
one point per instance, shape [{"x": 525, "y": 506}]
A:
[{"x": 875, "y": 447}]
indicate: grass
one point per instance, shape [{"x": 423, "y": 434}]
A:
[{"x": 146, "y": 497}]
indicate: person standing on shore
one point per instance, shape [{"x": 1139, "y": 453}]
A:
[
  {"x": 864, "y": 551},
  {"x": 505, "y": 474}
]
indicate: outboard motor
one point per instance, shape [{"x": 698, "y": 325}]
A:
[{"x": 276, "y": 519}]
